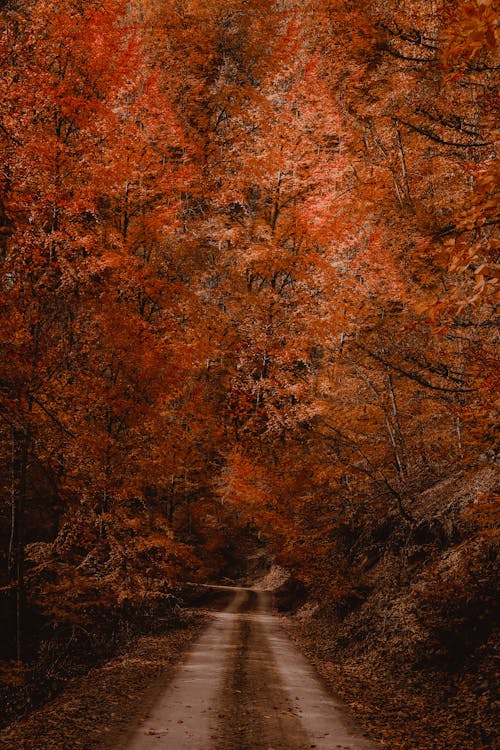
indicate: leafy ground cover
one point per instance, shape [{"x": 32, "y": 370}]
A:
[{"x": 97, "y": 711}]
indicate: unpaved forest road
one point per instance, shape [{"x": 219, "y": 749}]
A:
[{"x": 244, "y": 686}]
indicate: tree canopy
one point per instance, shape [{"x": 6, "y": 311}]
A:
[{"x": 248, "y": 275}]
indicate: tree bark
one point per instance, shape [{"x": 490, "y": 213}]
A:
[{"x": 20, "y": 448}]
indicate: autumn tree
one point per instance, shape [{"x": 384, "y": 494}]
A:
[
  {"x": 101, "y": 342},
  {"x": 247, "y": 282}
]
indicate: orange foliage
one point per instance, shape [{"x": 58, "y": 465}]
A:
[{"x": 248, "y": 266}]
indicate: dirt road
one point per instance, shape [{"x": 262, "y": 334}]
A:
[{"x": 244, "y": 686}]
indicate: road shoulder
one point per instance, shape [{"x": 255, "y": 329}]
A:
[{"x": 100, "y": 710}]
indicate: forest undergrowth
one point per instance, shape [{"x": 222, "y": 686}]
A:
[{"x": 414, "y": 652}]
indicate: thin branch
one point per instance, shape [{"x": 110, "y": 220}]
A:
[
  {"x": 411, "y": 375},
  {"x": 428, "y": 134},
  {"x": 51, "y": 416},
  {"x": 394, "y": 53}
]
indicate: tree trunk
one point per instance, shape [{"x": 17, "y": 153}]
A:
[
  {"x": 397, "y": 426},
  {"x": 20, "y": 447}
]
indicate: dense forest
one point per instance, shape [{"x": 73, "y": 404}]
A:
[{"x": 248, "y": 273}]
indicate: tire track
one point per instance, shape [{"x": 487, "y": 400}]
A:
[
  {"x": 244, "y": 686},
  {"x": 254, "y": 707}
]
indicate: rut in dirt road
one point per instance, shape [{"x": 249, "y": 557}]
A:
[
  {"x": 256, "y": 711},
  {"x": 244, "y": 686}
]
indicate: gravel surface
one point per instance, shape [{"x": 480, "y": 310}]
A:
[{"x": 244, "y": 686}]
